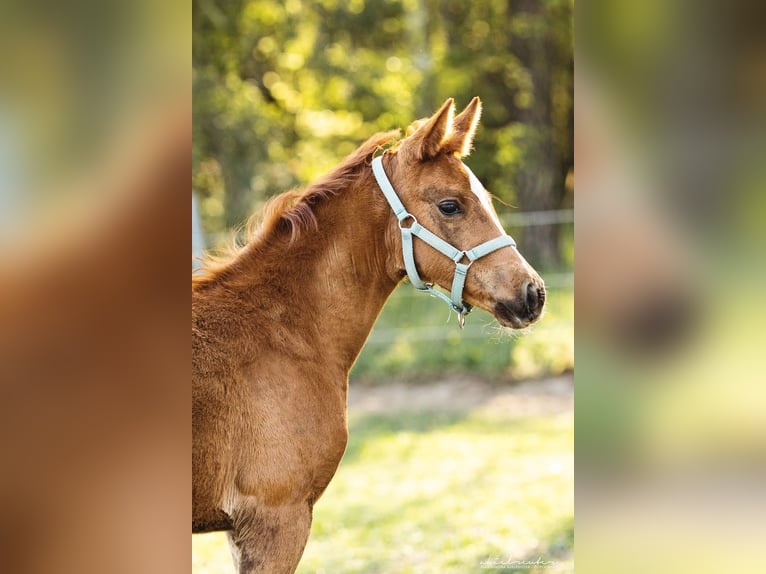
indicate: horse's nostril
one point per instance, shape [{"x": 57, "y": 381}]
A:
[{"x": 533, "y": 296}]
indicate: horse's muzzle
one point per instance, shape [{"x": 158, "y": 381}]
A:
[{"x": 523, "y": 310}]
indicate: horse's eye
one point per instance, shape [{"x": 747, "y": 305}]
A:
[{"x": 449, "y": 207}]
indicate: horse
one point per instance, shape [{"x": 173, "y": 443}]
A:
[{"x": 277, "y": 324}]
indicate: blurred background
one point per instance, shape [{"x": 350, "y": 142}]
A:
[
  {"x": 95, "y": 142},
  {"x": 455, "y": 457},
  {"x": 670, "y": 144}
]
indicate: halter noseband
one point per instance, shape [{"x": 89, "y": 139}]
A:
[{"x": 455, "y": 300}]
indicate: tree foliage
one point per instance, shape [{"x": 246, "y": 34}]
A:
[{"x": 284, "y": 89}]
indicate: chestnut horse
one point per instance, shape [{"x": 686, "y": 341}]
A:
[{"x": 277, "y": 326}]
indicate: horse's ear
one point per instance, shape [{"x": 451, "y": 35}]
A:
[
  {"x": 426, "y": 141},
  {"x": 466, "y": 122}
]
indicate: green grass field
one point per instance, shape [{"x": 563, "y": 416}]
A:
[{"x": 443, "y": 491}]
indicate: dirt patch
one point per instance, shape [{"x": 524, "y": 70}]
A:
[{"x": 528, "y": 398}]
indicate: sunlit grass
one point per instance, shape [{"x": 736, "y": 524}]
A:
[
  {"x": 210, "y": 554},
  {"x": 439, "y": 492}
]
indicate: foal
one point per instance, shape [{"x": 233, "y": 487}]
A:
[{"x": 276, "y": 328}]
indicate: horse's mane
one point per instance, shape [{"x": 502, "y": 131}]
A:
[{"x": 292, "y": 210}]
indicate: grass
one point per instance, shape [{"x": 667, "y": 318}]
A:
[{"x": 439, "y": 492}]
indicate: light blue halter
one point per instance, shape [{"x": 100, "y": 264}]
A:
[{"x": 455, "y": 300}]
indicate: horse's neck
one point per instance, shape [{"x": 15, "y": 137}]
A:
[{"x": 336, "y": 275}]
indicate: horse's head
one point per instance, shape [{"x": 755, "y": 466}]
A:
[{"x": 443, "y": 197}]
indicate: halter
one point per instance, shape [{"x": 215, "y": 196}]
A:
[{"x": 455, "y": 300}]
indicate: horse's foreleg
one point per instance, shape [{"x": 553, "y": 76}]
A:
[{"x": 269, "y": 540}]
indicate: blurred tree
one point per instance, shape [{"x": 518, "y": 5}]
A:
[
  {"x": 518, "y": 56},
  {"x": 284, "y": 89}
]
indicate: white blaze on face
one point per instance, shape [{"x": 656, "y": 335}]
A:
[{"x": 478, "y": 189}]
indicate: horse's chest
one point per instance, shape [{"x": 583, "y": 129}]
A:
[
  {"x": 322, "y": 440},
  {"x": 295, "y": 449}
]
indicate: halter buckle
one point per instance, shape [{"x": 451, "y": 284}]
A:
[{"x": 461, "y": 312}]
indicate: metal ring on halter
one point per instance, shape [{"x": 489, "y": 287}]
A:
[
  {"x": 459, "y": 257},
  {"x": 408, "y": 216}
]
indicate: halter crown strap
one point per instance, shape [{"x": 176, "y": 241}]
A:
[{"x": 455, "y": 300}]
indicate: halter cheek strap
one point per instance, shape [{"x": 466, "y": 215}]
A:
[{"x": 414, "y": 229}]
